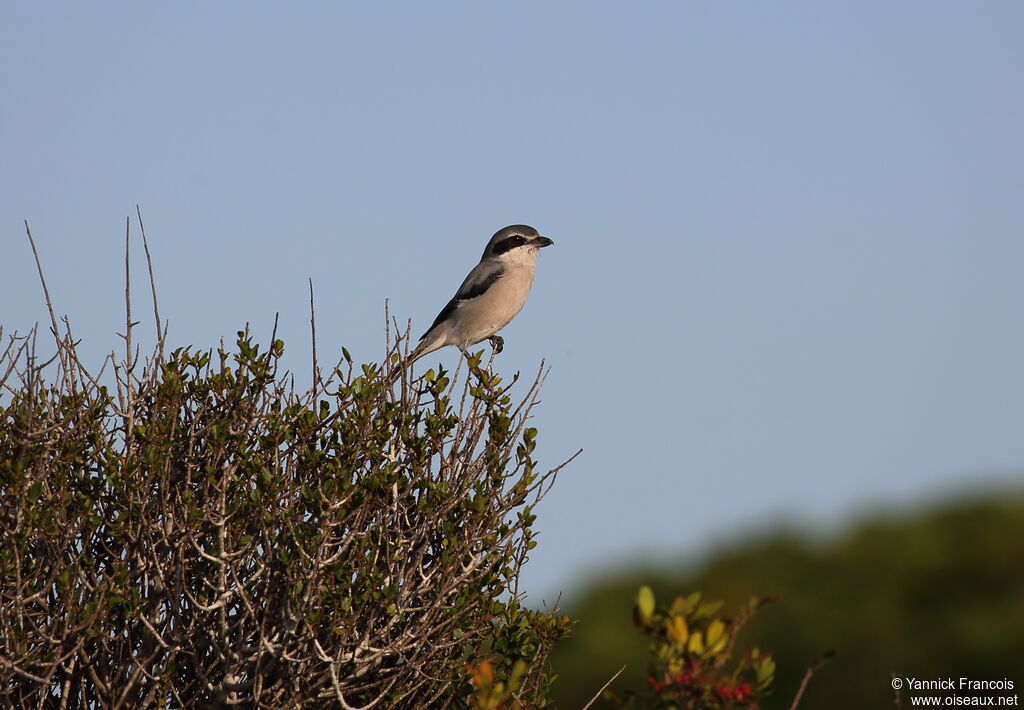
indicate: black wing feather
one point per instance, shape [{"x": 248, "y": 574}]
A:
[{"x": 466, "y": 292}]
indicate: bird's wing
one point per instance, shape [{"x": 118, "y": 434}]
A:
[{"x": 480, "y": 279}]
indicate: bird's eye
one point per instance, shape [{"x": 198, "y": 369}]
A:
[{"x": 519, "y": 240}]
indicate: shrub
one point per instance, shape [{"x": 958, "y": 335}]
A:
[
  {"x": 694, "y": 660},
  {"x": 196, "y": 533}
]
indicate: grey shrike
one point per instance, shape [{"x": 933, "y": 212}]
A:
[{"x": 490, "y": 297}]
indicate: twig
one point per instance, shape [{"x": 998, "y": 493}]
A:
[
  {"x": 273, "y": 339},
  {"x": 46, "y": 294},
  {"x": 598, "y": 695},
  {"x": 152, "y": 285},
  {"x": 803, "y": 686},
  {"x": 312, "y": 327},
  {"x": 387, "y": 330},
  {"x": 127, "y": 292},
  {"x": 811, "y": 670},
  {"x": 128, "y": 365}
]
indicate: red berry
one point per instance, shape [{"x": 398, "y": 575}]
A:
[{"x": 656, "y": 685}]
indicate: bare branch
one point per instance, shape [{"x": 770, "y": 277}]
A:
[
  {"x": 46, "y": 295},
  {"x": 603, "y": 688},
  {"x": 312, "y": 330},
  {"x": 160, "y": 335}
]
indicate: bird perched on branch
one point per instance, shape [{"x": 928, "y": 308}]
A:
[{"x": 491, "y": 296}]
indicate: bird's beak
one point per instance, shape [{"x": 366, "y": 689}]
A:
[{"x": 540, "y": 242}]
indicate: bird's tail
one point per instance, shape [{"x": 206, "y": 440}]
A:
[{"x": 425, "y": 347}]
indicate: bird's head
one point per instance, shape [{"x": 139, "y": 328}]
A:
[{"x": 515, "y": 243}]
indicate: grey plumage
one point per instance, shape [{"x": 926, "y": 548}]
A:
[{"x": 491, "y": 295}]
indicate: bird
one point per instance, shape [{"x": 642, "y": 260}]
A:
[{"x": 490, "y": 297}]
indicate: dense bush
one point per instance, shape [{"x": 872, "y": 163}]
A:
[{"x": 199, "y": 534}]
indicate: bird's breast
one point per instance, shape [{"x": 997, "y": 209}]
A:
[{"x": 485, "y": 315}]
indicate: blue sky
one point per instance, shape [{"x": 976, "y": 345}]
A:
[{"x": 786, "y": 284}]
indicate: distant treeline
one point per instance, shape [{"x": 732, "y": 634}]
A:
[{"x": 930, "y": 594}]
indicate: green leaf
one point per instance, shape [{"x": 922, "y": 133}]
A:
[
  {"x": 765, "y": 669},
  {"x": 716, "y": 636},
  {"x": 645, "y": 604},
  {"x": 677, "y": 629}
]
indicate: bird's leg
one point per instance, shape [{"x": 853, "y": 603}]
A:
[{"x": 497, "y": 342}]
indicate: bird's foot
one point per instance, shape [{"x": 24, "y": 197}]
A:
[{"x": 497, "y": 342}]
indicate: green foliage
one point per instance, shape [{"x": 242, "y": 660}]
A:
[
  {"x": 202, "y": 535},
  {"x": 929, "y": 594},
  {"x": 693, "y": 664}
]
